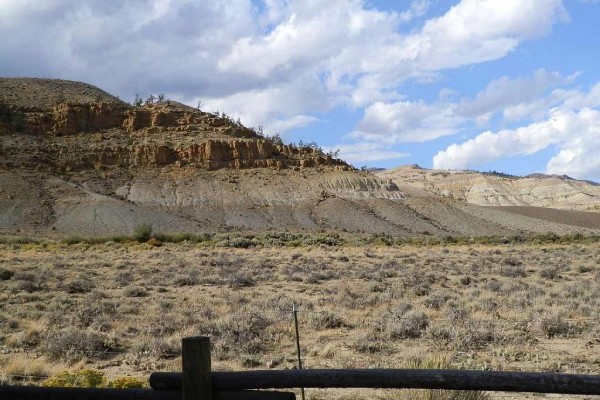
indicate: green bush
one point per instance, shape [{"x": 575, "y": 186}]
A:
[
  {"x": 142, "y": 233},
  {"x": 87, "y": 378},
  {"x": 238, "y": 242},
  {"x": 326, "y": 239}
]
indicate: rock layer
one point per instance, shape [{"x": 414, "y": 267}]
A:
[{"x": 74, "y": 137}]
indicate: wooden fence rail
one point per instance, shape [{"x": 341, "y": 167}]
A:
[
  {"x": 393, "y": 379},
  {"x": 52, "y": 393},
  {"x": 198, "y": 382}
]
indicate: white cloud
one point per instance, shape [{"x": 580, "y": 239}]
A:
[
  {"x": 482, "y": 30},
  {"x": 278, "y": 108},
  {"x": 417, "y": 9},
  {"x": 406, "y": 121},
  {"x": 516, "y": 98},
  {"x": 509, "y": 94},
  {"x": 297, "y": 121},
  {"x": 362, "y": 152},
  {"x": 577, "y": 133}
]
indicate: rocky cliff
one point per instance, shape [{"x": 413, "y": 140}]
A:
[{"x": 72, "y": 136}]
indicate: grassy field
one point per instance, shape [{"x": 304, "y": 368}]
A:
[{"x": 122, "y": 308}]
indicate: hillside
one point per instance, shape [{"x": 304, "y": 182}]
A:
[
  {"x": 485, "y": 189},
  {"x": 76, "y": 160}
]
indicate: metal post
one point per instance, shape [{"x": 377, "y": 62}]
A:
[{"x": 295, "y": 313}]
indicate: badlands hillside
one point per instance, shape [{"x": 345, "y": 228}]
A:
[
  {"x": 496, "y": 189},
  {"x": 76, "y": 160}
]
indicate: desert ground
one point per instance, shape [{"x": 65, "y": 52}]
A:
[{"x": 122, "y": 308}]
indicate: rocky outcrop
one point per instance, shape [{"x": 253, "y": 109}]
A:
[
  {"x": 208, "y": 154},
  {"x": 66, "y": 118},
  {"x": 70, "y": 119},
  {"x": 72, "y": 136},
  {"x": 355, "y": 186}
]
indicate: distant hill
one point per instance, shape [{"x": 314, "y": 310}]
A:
[
  {"x": 43, "y": 94},
  {"x": 77, "y": 160},
  {"x": 497, "y": 189}
]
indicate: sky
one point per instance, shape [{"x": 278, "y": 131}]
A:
[{"x": 505, "y": 85}]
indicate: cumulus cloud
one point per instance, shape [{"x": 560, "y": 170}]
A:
[
  {"x": 509, "y": 94},
  {"x": 524, "y": 97},
  {"x": 367, "y": 151},
  {"x": 407, "y": 121},
  {"x": 577, "y": 133},
  {"x": 482, "y": 30}
]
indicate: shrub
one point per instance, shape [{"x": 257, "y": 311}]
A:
[
  {"x": 89, "y": 378},
  {"x": 73, "y": 344},
  {"x": 183, "y": 237},
  {"x": 136, "y": 291},
  {"x": 370, "y": 344},
  {"x": 186, "y": 279},
  {"x": 557, "y": 325},
  {"x": 85, "y": 378},
  {"x": 28, "y": 281},
  {"x": 550, "y": 273},
  {"x": 92, "y": 309},
  {"x": 6, "y": 274},
  {"x": 437, "y": 394},
  {"x": 123, "y": 278},
  {"x": 238, "y": 242},
  {"x": 465, "y": 336},
  {"x": 80, "y": 285},
  {"x": 159, "y": 348},
  {"x": 328, "y": 240},
  {"x": 513, "y": 271},
  {"x": 143, "y": 232},
  {"x": 243, "y": 333},
  {"x": 154, "y": 242},
  {"x": 73, "y": 240},
  {"x": 125, "y": 382},
  {"x": 584, "y": 268},
  {"x": 437, "y": 300},
  {"x": 240, "y": 279},
  {"x": 404, "y": 324},
  {"x": 325, "y": 320}
]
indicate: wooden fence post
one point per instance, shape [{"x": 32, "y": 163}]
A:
[{"x": 195, "y": 359}]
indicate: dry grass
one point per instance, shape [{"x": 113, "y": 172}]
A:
[
  {"x": 123, "y": 308},
  {"x": 46, "y": 93}
]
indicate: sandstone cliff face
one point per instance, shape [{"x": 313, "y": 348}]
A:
[
  {"x": 68, "y": 118},
  {"x": 72, "y": 118},
  {"x": 208, "y": 154},
  {"x": 80, "y": 136}
]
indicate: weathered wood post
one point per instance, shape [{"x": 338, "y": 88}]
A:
[{"x": 195, "y": 359}]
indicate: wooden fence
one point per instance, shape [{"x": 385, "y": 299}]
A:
[{"x": 198, "y": 382}]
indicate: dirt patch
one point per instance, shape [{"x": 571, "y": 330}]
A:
[{"x": 568, "y": 217}]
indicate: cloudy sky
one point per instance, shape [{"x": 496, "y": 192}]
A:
[{"x": 507, "y": 85}]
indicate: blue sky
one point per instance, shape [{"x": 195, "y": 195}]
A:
[{"x": 504, "y": 85}]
